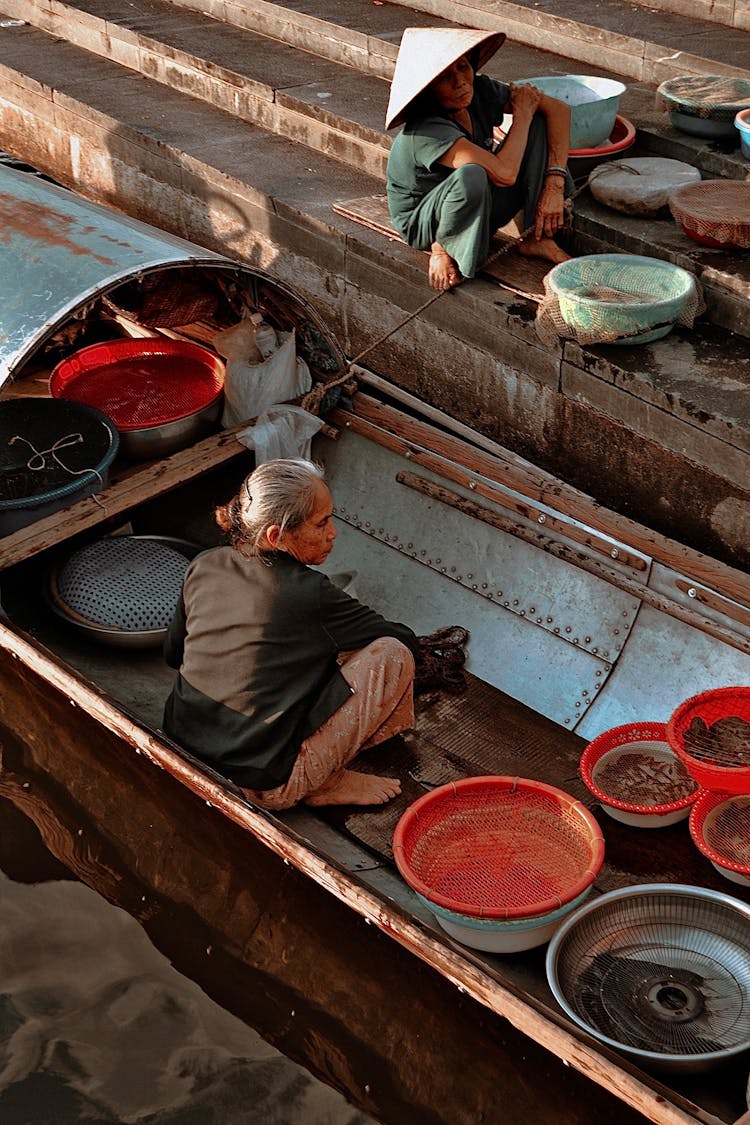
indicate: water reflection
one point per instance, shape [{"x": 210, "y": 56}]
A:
[{"x": 97, "y": 1026}]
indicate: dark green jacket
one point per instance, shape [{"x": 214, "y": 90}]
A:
[{"x": 255, "y": 641}]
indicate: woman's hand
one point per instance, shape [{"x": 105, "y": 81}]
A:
[
  {"x": 524, "y": 100},
  {"x": 550, "y": 215}
]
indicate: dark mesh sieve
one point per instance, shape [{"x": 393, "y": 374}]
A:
[{"x": 123, "y": 583}]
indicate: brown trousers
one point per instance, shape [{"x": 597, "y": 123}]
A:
[{"x": 381, "y": 704}]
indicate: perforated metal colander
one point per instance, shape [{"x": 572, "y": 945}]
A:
[
  {"x": 660, "y": 971},
  {"x": 122, "y": 589}
]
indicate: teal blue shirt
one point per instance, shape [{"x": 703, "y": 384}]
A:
[{"x": 414, "y": 167}]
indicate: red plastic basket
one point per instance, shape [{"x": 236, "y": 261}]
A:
[
  {"x": 716, "y": 761},
  {"x": 498, "y": 847},
  {"x": 655, "y": 774},
  {"x": 720, "y": 828},
  {"x": 141, "y": 383}
]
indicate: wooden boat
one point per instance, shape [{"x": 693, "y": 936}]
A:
[{"x": 579, "y": 620}]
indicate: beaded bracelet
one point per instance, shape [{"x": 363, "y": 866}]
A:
[{"x": 556, "y": 170}]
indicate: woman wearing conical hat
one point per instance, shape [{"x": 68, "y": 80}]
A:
[{"x": 448, "y": 189}]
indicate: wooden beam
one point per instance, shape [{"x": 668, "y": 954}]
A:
[
  {"x": 512, "y": 471},
  {"x": 143, "y": 483}
]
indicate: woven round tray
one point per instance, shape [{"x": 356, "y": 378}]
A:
[
  {"x": 714, "y": 212},
  {"x": 714, "y": 96}
]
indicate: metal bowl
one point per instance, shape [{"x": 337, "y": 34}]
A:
[
  {"x": 169, "y": 437},
  {"x": 660, "y": 972},
  {"x": 107, "y": 589}
]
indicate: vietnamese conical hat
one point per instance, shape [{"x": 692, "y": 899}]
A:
[{"x": 424, "y": 53}]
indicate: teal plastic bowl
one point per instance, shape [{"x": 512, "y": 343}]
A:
[
  {"x": 742, "y": 124},
  {"x": 654, "y": 294},
  {"x": 593, "y": 105}
]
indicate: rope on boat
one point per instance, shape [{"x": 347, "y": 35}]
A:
[
  {"x": 312, "y": 400},
  {"x": 441, "y": 660}
]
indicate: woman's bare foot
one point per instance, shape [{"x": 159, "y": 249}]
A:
[
  {"x": 442, "y": 270},
  {"x": 351, "y": 788},
  {"x": 545, "y": 248}
]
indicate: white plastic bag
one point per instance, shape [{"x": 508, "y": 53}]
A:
[
  {"x": 250, "y": 388},
  {"x": 281, "y": 431}
]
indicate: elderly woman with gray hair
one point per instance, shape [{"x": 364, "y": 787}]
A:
[{"x": 283, "y": 678}]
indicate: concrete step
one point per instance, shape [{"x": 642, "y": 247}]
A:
[
  {"x": 641, "y": 42},
  {"x": 333, "y": 108},
  {"x": 662, "y": 432}
]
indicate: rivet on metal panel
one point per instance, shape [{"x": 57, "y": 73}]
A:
[
  {"x": 595, "y": 650},
  {"x": 429, "y": 562},
  {"x": 410, "y": 545},
  {"x": 616, "y": 632},
  {"x": 438, "y": 561},
  {"x": 380, "y": 531},
  {"x": 443, "y": 569},
  {"x": 567, "y": 629},
  {"x": 587, "y": 640},
  {"x": 578, "y": 703},
  {"x": 506, "y": 602},
  {"x": 423, "y": 553},
  {"x": 472, "y": 484},
  {"x": 453, "y": 570},
  {"x": 556, "y": 629},
  {"x": 692, "y": 592},
  {"x": 469, "y": 575},
  {"x": 522, "y": 613},
  {"x": 484, "y": 585},
  {"x": 626, "y": 625},
  {"x": 614, "y": 553},
  {"x": 538, "y": 620},
  {"x": 347, "y": 425},
  {"x": 499, "y": 594},
  {"x": 575, "y": 640},
  {"x": 533, "y": 609},
  {"x": 567, "y": 721},
  {"x": 459, "y": 578},
  {"x": 584, "y": 692},
  {"x": 605, "y": 652},
  {"x": 550, "y": 620},
  {"x": 407, "y": 455},
  {"x": 515, "y": 601},
  {"x": 599, "y": 672},
  {"x": 542, "y": 518},
  {"x": 474, "y": 586}
]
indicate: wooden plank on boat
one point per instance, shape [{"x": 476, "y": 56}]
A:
[
  {"x": 512, "y": 471},
  {"x": 143, "y": 483},
  {"x": 479, "y": 981}
]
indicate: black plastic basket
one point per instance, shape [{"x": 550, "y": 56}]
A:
[{"x": 52, "y": 453}]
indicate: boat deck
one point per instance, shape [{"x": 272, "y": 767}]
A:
[{"x": 477, "y": 731}]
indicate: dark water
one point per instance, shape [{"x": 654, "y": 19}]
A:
[{"x": 97, "y": 1026}]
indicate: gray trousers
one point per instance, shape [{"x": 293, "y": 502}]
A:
[{"x": 464, "y": 211}]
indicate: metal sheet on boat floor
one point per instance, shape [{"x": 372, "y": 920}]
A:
[
  {"x": 539, "y": 668},
  {"x": 478, "y": 731},
  {"x": 664, "y": 662}
]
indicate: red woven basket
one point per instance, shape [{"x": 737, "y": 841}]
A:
[
  {"x": 720, "y": 828},
  {"x": 498, "y": 847},
  {"x": 718, "y": 757},
  {"x": 141, "y": 383},
  {"x": 648, "y": 776}
]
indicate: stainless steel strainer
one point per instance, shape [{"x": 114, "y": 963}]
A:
[
  {"x": 659, "y": 971},
  {"x": 123, "y": 589}
]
